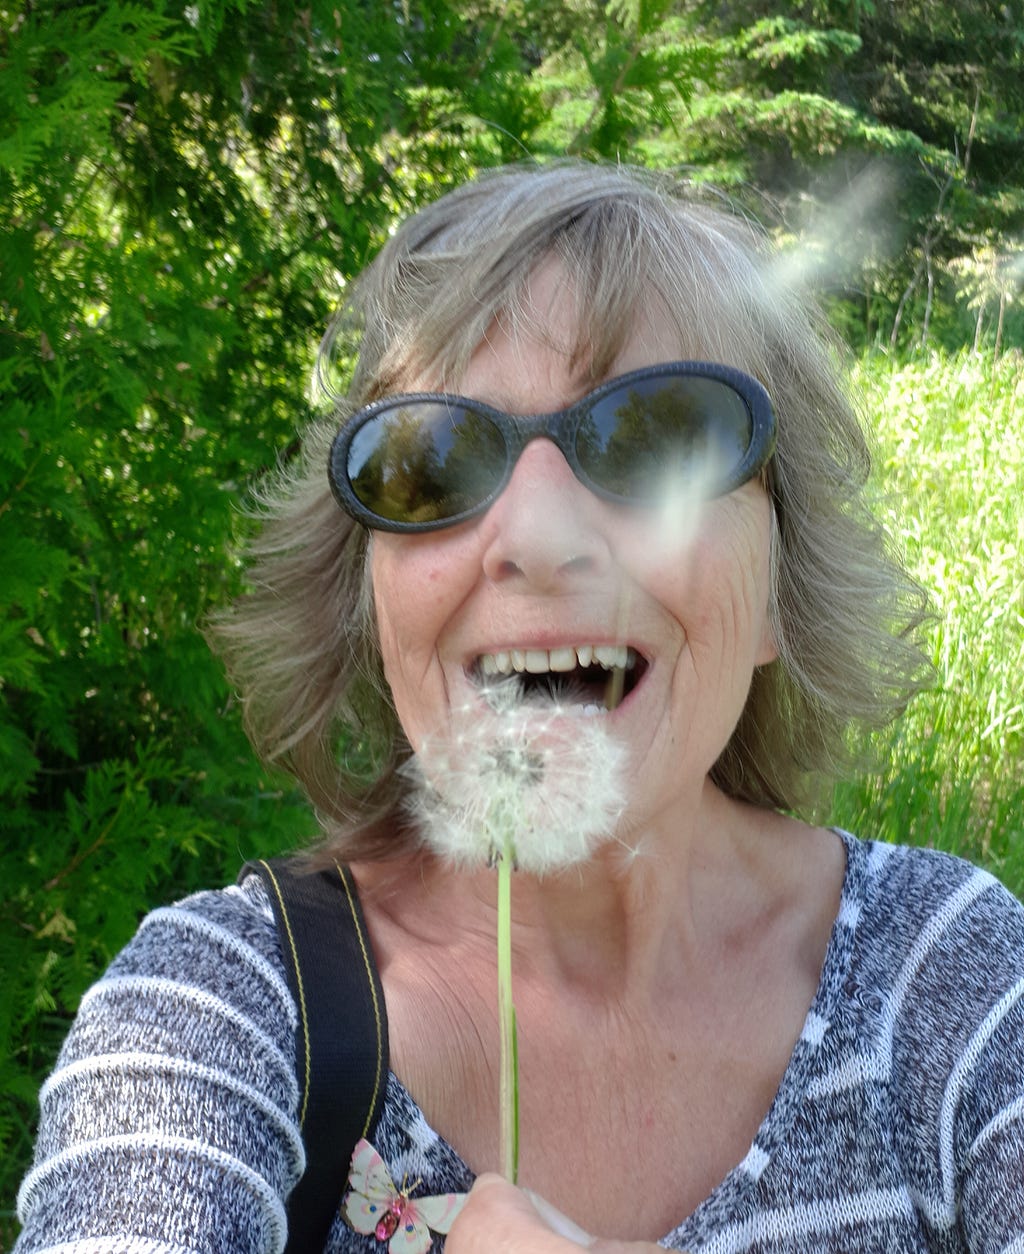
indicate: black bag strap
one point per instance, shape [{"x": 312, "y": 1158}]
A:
[{"x": 342, "y": 1039}]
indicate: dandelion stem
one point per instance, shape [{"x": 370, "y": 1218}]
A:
[{"x": 509, "y": 1090}]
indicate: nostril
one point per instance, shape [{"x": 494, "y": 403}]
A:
[
  {"x": 545, "y": 526},
  {"x": 541, "y": 564}
]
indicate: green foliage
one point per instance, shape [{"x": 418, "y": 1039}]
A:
[
  {"x": 777, "y": 40},
  {"x": 811, "y": 126},
  {"x": 638, "y": 67}
]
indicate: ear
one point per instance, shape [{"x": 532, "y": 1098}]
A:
[{"x": 767, "y": 649}]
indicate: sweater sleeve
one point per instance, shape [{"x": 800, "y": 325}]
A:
[
  {"x": 955, "y": 1040},
  {"x": 981, "y": 1119},
  {"x": 170, "y": 1121},
  {"x": 991, "y": 1138}
]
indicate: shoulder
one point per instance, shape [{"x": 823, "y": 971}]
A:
[
  {"x": 937, "y": 986},
  {"x": 208, "y": 960},
  {"x": 939, "y": 963},
  {"x": 937, "y": 960},
  {"x": 201, "y": 985},
  {"x": 922, "y": 906}
]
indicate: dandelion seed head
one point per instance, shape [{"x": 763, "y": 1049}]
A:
[{"x": 532, "y": 774}]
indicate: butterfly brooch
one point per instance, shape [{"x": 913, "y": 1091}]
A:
[{"x": 374, "y": 1206}]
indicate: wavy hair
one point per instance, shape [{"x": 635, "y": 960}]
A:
[{"x": 301, "y": 644}]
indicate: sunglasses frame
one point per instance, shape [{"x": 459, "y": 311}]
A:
[{"x": 560, "y": 427}]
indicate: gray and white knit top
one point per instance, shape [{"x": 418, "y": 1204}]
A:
[{"x": 170, "y": 1123}]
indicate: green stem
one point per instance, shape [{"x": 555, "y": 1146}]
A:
[{"x": 509, "y": 1090}]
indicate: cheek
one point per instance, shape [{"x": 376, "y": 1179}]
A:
[
  {"x": 748, "y": 604},
  {"x": 414, "y": 595},
  {"x": 408, "y": 590},
  {"x": 382, "y": 583},
  {"x": 750, "y": 596},
  {"x": 402, "y": 600},
  {"x": 722, "y": 588},
  {"x": 768, "y": 650}
]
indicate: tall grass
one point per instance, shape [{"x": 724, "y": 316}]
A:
[{"x": 950, "y": 459}]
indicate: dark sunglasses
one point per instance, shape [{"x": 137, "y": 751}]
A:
[{"x": 430, "y": 460}]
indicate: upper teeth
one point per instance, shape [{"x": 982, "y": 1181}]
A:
[{"x": 541, "y": 661}]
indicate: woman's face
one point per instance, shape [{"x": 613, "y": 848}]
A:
[{"x": 552, "y": 571}]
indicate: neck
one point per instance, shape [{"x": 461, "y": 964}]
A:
[
  {"x": 638, "y": 916},
  {"x": 635, "y": 917}
]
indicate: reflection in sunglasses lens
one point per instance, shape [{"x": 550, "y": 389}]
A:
[
  {"x": 686, "y": 430},
  {"x": 425, "y": 461}
]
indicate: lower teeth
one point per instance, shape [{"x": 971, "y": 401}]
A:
[{"x": 500, "y": 691}]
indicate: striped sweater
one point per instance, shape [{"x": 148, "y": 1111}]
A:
[{"x": 170, "y": 1122}]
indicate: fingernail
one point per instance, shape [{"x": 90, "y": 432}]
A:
[{"x": 560, "y": 1223}]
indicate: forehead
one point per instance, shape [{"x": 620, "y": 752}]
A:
[{"x": 542, "y": 353}]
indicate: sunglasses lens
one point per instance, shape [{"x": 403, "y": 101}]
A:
[
  {"x": 425, "y": 461},
  {"x": 654, "y": 432}
]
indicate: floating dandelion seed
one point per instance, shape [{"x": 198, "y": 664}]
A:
[{"x": 681, "y": 503}]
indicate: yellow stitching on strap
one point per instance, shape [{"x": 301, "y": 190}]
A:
[
  {"x": 302, "y": 991},
  {"x": 350, "y": 895}
]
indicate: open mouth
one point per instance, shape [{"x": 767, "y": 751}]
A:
[{"x": 594, "y": 677}]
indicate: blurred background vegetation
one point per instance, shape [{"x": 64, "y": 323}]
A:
[{"x": 184, "y": 191}]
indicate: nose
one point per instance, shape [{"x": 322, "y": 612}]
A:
[{"x": 545, "y": 529}]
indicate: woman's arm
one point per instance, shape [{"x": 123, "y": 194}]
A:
[{"x": 170, "y": 1120}]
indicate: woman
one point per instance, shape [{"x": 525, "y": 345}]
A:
[{"x": 736, "y": 1030}]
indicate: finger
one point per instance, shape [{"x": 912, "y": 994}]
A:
[
  {"x": 562, "y": 1224},
  {"x": 499, "y": 1217}
]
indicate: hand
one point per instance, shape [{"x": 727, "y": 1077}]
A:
[{"x": 498, "y": 1218}]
